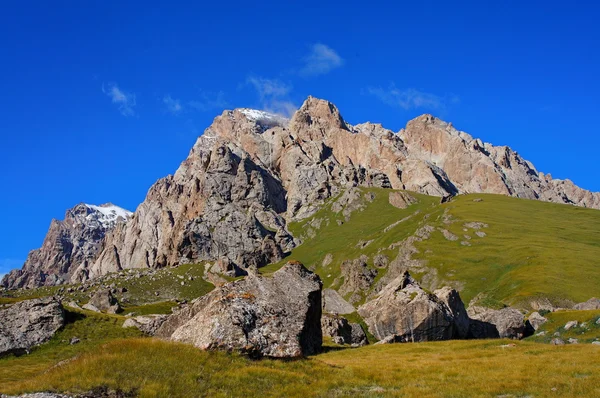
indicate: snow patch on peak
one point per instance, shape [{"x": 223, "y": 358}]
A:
[
  {"x": 108, "y": 214},
  {"x": 256, "y": 115}
]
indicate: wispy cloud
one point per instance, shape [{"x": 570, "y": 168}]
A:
[
  {"x": 173, "y": 105},
  {"x": 273, "y": 95},
  {"x": 125, "y": 101},
  {"x": 321, "y": 60},
  {"x": 269, "y": 87},
  {"x": 209, "y": 101},
  {"x": 411, "y": 98}
]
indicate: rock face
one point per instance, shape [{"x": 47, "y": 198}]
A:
[
  {"x": 334, "y": 303},
  {"x": 403, "y": 312},
  {"x": 29, "y": 323},
  {"x": 251, "y": 172},
  {"x": 278, "y": 316},
  {"x": 103, "y": 301},
  {"x": 69, "y": 244},
  {"x": 489, "y": 323},
  {"x": 591, "y": 304},
  {"x": 536, "y": 320},
  {"x": 343, "y": 332},
  {"x": 148, "y": 324}
]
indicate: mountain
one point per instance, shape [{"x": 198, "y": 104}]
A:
[
  {"x": 69, "y": 244},
  {"x": 252, "y": 173}
]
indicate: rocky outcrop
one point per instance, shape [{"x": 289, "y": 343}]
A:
[
  {"x": 103, "y": 301},
  {"x": 358, "y": 278},
  {"x": 69, "y": 244},
  {"x": 536, "y": 320},
  {"x": 591, "y": 304},
  {"x": 29, "y": 323},
  {"x": 148, "y": 324},
  {"x": 278, "y": 316},
  {"x": 404, "y": 312},
  {"x": 251, "y": 172},
  {"x": 401, "y": 199},
  {"x": 489, "y": 323},
  {"x": 343, "y": 332}
]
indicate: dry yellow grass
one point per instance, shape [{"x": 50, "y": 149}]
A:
[{"x": 153, "y": 368}]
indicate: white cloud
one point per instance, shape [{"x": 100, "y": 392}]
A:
[
  {"x": 411, "y": 98},
  {"x": 273, "y": 95},
  {"x": 321, "y": 60},
  {"x": 172, "y": 105},
  {"x": 209, "y": 101},
  {"x": 124, "y": 101}
]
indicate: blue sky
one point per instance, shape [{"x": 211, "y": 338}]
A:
[{"x": 100, "y": 99}]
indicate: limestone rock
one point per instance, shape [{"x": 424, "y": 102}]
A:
[
  {"x": 278, "y": 316},
  {"x": 334, "y": 303},
  {"x": 103, "y": 301},
  {"x": 591, "y": 304},
  {"x": 148, "y": 324},
  {"x": 406, "y": 312},
  {"x": 490, "y": 323},
  {"x": 401, "y": 200},
  {"x": 358, "y": 277},
  {"x": 29, "y": 323},
  {"x": 343, "y": 332},
  {"x": 536, "y": 320},
  {"x": 452, "y": 299}
]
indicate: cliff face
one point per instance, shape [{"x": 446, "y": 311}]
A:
[{"x": 251, "y": 172}]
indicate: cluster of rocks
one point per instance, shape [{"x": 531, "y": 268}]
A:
[{"x": 404, "y": 312}]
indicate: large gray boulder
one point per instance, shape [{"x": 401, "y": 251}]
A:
[
  {"x": 404, "y": 312},
  {"x": 452, "y": 299},
  {"x": 536, "y": 320},
  {"x": 278, "y": 316},
  {"x": 148, "y": 324},
  {"x": 29, "y": 323},
  {"x": 343, "y": 332},
  {"x": 103, "y": 301},
  {"x": 489, "y": 323}
]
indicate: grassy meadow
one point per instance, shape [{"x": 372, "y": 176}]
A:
[{"x": 527, "y": 250}]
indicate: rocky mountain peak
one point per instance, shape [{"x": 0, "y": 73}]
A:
[
  {"x": 69, "y": 244},
  {"x": 252, "y": 171}
]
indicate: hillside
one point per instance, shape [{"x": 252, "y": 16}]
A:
[{"x": 502, "y": 250}]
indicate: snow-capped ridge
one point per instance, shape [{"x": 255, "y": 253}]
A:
[{"x": 108, "y": 214}]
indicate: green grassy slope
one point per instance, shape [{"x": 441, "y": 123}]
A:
[{"x": 530, "y": 249}]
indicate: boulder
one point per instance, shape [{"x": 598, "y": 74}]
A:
[
  {"x": 278, "y": 316},
  {"x": 148, "y": 324},
  {"x": 404, "y": 312},
  {"x": 334, "y": 303},
  {"x": 29, "y": 323},
  {"x": 591, "y": 304},
  {"x": 103, "y": 301},
  {"x": 489, "y": 323},
  {"x": 401, "y": 199},
  {"x": 452, "y": 299},
  {"x": 536, "y": 320},
  {"x": 343, "y": 332}
]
